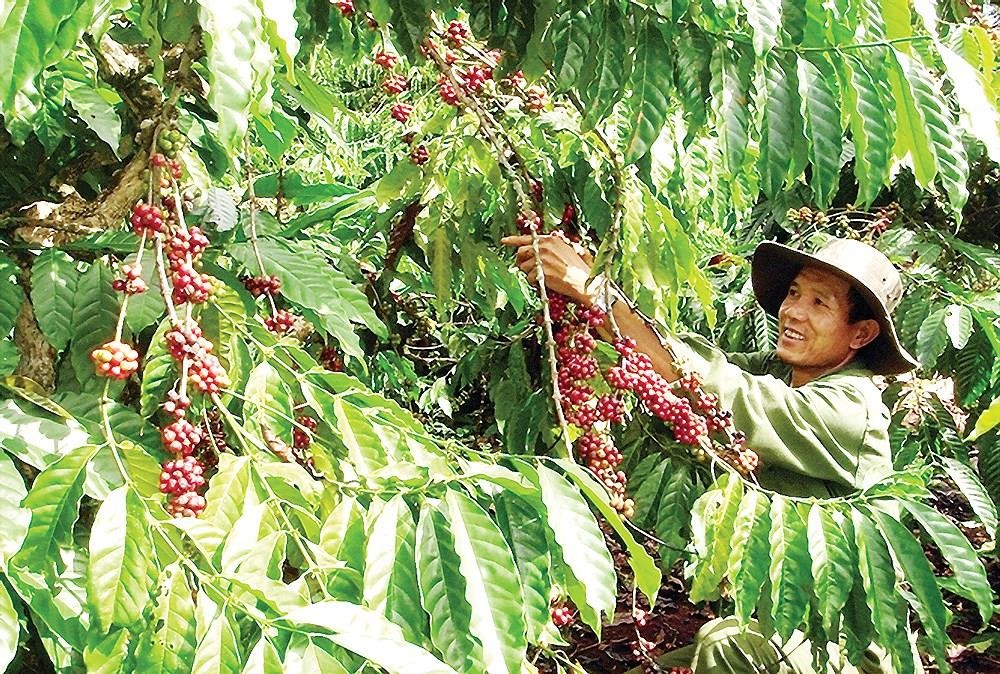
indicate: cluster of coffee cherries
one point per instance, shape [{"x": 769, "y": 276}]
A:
[
  {"x": 262, "y": 285},
  {"x": 693, "y": 414},
  {"x": 185, "y": 341},
  {"x": 396, "y": 84},
  {"x": 183, "y": 475},
  {"x": 330, "y": 359},
  {"x": 115, "y": 359},
  {"x": 285, "y": 322},
  {"x": 561, "y": 614}
]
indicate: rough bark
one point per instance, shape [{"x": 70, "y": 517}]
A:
[{"x": 38, "y": 358}]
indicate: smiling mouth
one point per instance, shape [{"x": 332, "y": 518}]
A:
[{"x": 793, "y": 335}]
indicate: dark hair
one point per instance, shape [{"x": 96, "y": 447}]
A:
[{"x": 859, "y": 308}]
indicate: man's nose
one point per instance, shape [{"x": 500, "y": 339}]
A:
[{"x": 791, "y": 309}]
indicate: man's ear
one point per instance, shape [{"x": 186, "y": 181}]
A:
[{"x": 864, "y": 332}]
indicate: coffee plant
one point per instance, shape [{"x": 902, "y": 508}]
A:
[{"x": 273, "y": 396}]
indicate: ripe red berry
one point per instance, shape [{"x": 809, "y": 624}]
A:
[
  {"x": 207, "y": 374},
  {"x": 475, "y": 77},
  {"x": 447, "y": 91},
  {"x": 180, "y": 438},
  {"x": 569, "y": 214},
  {"x": 330, "y": 359},
  {"x": 396, "y": 84},
  {"x": 190, "y": 504},
  {"x": 456, "y": 33},
  {"x": 182, "y": 475},
  {"x": 401, "y": 112},
  {"x": 131, "y": 282},
  {"x": 186, "y": 244},
  {"x": 115, "y": 359},
  {"x": 346, "y": 7},
  {"x": 386, "y": 60},
  {"x": 561, "y": 615},
  {"x": 283, "y": 323},
  {"x": 176, "y": 404},
  {"x": 186, "y": 341},
  {"x": 419, "y": 155},
  {"x": 189, "y": 284},
  {"x": 302, "y": 438},
  {"x": 158, "y": 160},
  {"x": 528, "y": 222},
  {"x": 262, "y": 285},
  {"x": 514, "y": 81},
  {"x": 147, "y": 218}
]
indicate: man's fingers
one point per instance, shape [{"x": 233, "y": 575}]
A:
[{"x": 516, "y": 241}]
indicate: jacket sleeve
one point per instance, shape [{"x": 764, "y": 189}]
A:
[{"x": 818, "y": 429}]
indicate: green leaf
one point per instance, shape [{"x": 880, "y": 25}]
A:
[
  {"x": 926, "y": 596},
  {"x": 580, "y": 543},
  {"x": 674, "y": 513},
  {"x": 107, "y": 655},
  {"x": 368, "y": 634},
  {"x": 227, "y": 491},
  {"x": 524, "y": 529},
  {"x": 54, "y": 280},
  {"x": 10, "y": 628},
  {"x": 442, "y": 593},
  {"x": 932, "y": 338},
  {"x": 712, "y": 567},
  {"x": 364, "y": 447},
  {"x": 146, "y": 308},
  {"x": 158, "y": 372},
  {"x": 650, "y": 84},
  {"x": 612, "y": 69},
  {"x": 118, "y": 578},
  {"x": 218, "y": 652},
  {"x": 169, "y": 642},
  {"x": 647, "y": 575},
  {"x": 572, "y": 41},
  {"x": 871, "y": 123},
  {"x": 230, "y": 32},
  {"x": 974, "y": 491},
  {"x": 390, "y": 571},
  {"x": 647, "y": 481},
  {"x": 11, "y": 295},
  {"x": 13, "y": 518},
  {"x": 790, "y": 566},
  {"x": 970, "y": 575},
  {"x": 764, "y": 17},
  {"x": 263, "y": 659},
  {"x": 37, "y": 440},
  {"x": 911, "y": 132},
  {"x": 831, "y": 546},
  {"x": 730, "y": 94},
  {"x": 9, "y": 357},
  {"x": 492, "y": 586},
  {"x": 95, "y": 314},
  {"x": 95, "y": 111},
  {"x": 941, "y": 127},
  {"x": 986, "y": 421},
  {"x": 308, "y": 279},
  {"x": 958, "y": 321},
  {"x": 54, "y": 502},
  {"x": 975, "y": 98},
  {"x": 268, "y": 401},
  {"x": 822, "y": 124},
  {"x": 782, "y": 127},
  {"x": 749, "y": 560},
  {"x": 883, "y": 598},
  {"x": 280, "y": 27}
]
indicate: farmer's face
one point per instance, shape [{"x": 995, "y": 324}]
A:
[{"x": 815, "y": 334}]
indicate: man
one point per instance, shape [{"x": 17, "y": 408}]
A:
[{"x": 809, "y": 408}]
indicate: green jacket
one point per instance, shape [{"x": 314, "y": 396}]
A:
[{"x": 826, "y": 438}]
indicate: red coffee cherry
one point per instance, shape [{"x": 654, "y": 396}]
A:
[
  {"x": 386, "y": 60},
  {"x": 115, "y": 359}
]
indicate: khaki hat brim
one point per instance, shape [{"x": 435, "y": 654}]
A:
[{"x": 775, "y": 266}]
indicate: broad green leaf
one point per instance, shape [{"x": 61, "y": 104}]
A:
[
  {"x": 159, "y": 372},
  {"x": 831, "y": 546},
  {"x": 492, "y": 586},
  {"x": 782, "y": 124},
  {"x": 118, "y": 574},
  {"x": 37, "y": 439},
  {"x": 242, "y": 538},
  {"x": 10, "y": 628},
  {"x": 227, "y": 491},
  {"x": 364, "y": 447},
  {"x": 368, "y": 634},
  {"x": 95, "y": 111},
  {"x": 169, "y": 643},
  {"x": 524, "y": 529},
  {"x": 218, "y": 652},
  {"x": 268, "y": 401},
  {"x": 54, "y": 502},
  {"x": 958, "y": 322},
  {"x": 263, "y": 659},
  {"x": 312, "y": 655},
  {"x": 911, "y": 132},
  {"x": 926, "y": 596},
  {"x": 572, "y": 41},
  {"x": 280, "y": 26},
  {"x": 884, "y": 600},
  {"x": 897, "y": 18},
  {"x": 764, "y": 17},
  {"x": 442, "y": 593},
  {"x": 970, "y": 575},
  {"x": 54, "y": 280},
  {"x": 974, "y": 491},
  {"x": 822, "y": 126},
  {"x": 390, "y": 571},
  {"x": 612, "y": 68},
  {"x": 10, "y": 357},
  {"x": 13, "y": 518},
  {"x": 975, "y": 98},
  {"x": 932, "y": 338},
  {"x": 95, "y": 314},
  {"x": 650, "y": 85},
  {"x": 107, "y": 655},
  {"x": 11, "y": 295},
  {"x": 230, "y": 31},
  {"x": 673, "y": 515},
  {"x": 790, "y": 566},
  {"x": 712, "y": 567},
  {"x": 749, "y": 560},
  {"x": 940, "y": 124},
  {"x": 146, "y": 308},
  {"x": 647, "y": 574},
  {"x": 647, "y": 481},
  {"x": 206, "y": 537},
  {"x": 730, "y": 94},
  {"x": 580, "y": 542},
  {"x": 987, "y": 420},
  {"x": 871, "y": 123}
]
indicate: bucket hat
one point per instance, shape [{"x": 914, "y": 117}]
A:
[{"x": 775, "y": 266}]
